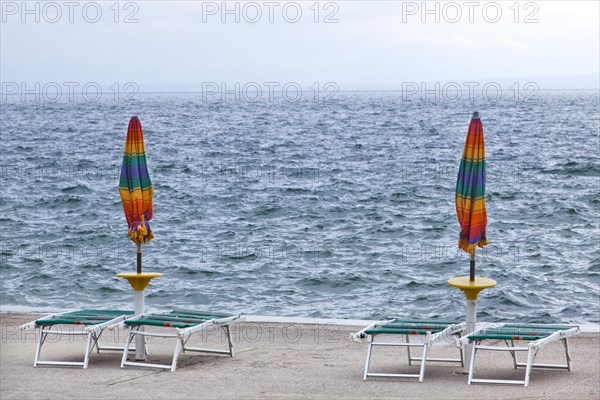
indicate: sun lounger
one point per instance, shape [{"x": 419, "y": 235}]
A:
[
  {"x": 185, "y": 324},
  {"x": 434, "y": 331},
  {"x": 538, "y": 336},
  {"x": 93, "y": 323}
]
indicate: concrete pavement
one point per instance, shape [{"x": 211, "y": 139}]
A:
[{"x": 279, "y": 361}]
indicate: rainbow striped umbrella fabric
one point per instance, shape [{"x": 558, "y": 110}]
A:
[
  {"x": 470, "y": 190},
  {"x": 135, "y": 186}
]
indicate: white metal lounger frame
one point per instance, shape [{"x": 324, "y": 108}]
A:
[
  {"x": 532, "y": 348},
  {"x": 455, "y": 329},
  {"x": 93, "y": 333},
  {"x": 181, "y": 336}
]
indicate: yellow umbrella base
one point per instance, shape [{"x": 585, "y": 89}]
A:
[
  {"x": 471, "y": 289},
  {"x": 139, "y": 281}
]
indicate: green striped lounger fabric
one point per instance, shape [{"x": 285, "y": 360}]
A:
[
  {"x": 519, "y": 332},
  {"x": 83, "y": 317},
  {"x": 175, "y": 319},
  {"x": 401, "y": 327}
]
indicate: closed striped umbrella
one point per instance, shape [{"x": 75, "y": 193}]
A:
[
  {"x": 135, "y": 188},
  {"x": 470, "y": 193}
]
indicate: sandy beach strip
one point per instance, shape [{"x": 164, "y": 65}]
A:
[{"x": 280, "y": 360}]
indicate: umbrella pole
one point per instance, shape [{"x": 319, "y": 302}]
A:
[
  {"x": 471, "y": 315},
  {"x": 471, "y": 290},
  {"x": 139, "y": 282},
  {"x": 471, "y": 322},
  {"x": 139, "y": 258},
  {"x": 471, "y": 275},
  {"x": 140, "y": 344}
]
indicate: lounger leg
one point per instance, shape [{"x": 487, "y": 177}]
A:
[
  {"x": 183, "y": 349},
  {"x": 95, "y": 343},
  {"x": 566, "y": 343},
  {"x": 126, "y": 349},
  {"x": 39, "y": 347},
  {"x": 97, "y": 340},
  {"x": 369, "y": 348},
  {"x": 423, "y": 361},
  {"x": 462, "y": 357},
  {"x": 530, "y": 358},
  {"x": 408, "y": 350},
  {"x": 229, "y": 343},
  {"x": 512, "y": 353},
  {"x": 88, "y": 350},
  {"x": 472, "y": 363},
  {"x": 178, "y": 347}
]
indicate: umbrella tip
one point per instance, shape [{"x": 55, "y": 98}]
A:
[
  {"x": 134, "y": 117},
  {"x": 476, "y": 115}
]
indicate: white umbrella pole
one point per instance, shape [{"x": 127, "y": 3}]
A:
[
  {"x": 471, "y": 289},
  {"x": 139, "y": 281},
  {"x": 140, "y": 344},
  {"x": 471, "y": 319}
]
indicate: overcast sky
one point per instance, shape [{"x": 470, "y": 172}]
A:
[{"x": 378, "y": 45}]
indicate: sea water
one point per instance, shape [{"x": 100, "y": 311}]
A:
[{"x": 340, "y": 207}]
